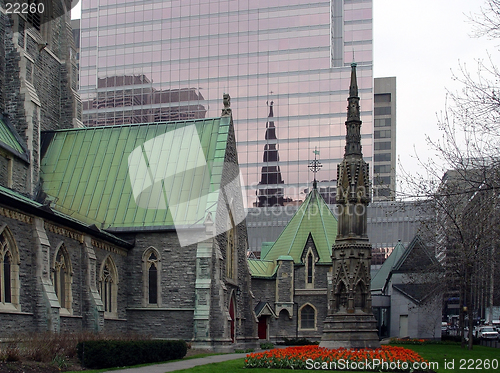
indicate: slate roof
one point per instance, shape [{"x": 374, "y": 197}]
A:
[
  {"x": 261, "y": 306},
  {"x": 379, "y": 281},
  {"x": 416, "y": 257},
  {"x": 138, "y": 175},
  {"x": 415, "y": 292}
]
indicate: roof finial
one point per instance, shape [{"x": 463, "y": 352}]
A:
[
  {"x": 353, "y": 88},
  {"x": 226, "y": 100},
  {"x": 315, "y": 166}
]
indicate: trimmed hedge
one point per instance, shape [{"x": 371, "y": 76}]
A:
[
  {"x": 110, "y": 354},
  {"x": 297, "y": 342}
]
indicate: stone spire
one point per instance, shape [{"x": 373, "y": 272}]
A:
[
  {"x": 270, "y": 173},
  {"x": 353, "y": 123},
  {"x": 350, "y": 322}
]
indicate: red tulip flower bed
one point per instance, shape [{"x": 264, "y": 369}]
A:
[{"x": 384, "y": 359}]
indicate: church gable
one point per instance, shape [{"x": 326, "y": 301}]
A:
[
  {"x": 417, "y": 257},
  {"x": 10, "y": 140},
  {"x": 313, "y": 219},
  {"x": 309, "y": 247}
]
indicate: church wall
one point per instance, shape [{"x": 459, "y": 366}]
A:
[
  {"x": 12, "y": 98},
  {"x": 320, "y": 276},
  {"x": 177, "y": 270},
  {"x": 223, "y": 286},
  {"x": 120, "y": 262},
  {"x": 318, "y": 302},
  {"x": 37, "y": 85},
  {"x": 173, "y": 316},
  {"x": 115, "y": 326},
  {"x": 161, "y": 323},
  {"x": 71, "y": 324},
  {"x": 74, "y": 249},
  {"x": 264, "y": 290},
  {"x": 19, "y": 171},
  {"x": 20, "y": 226}
]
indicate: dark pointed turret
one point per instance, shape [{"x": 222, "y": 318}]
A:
[{"x": 270, "y": 174}]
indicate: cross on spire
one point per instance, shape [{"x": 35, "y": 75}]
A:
[{"x": 315, "y": 165}]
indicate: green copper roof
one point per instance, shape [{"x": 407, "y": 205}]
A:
[
  {"x": 265, "y": 247},
  {"x": 8, "y": 138},
  {"x": 262, "y": 268},
  {"x": 313, "y": 217},
  {"x": 130, "y": 176},
  {"x": 379, "y": 281}
]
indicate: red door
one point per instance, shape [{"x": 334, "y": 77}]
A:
[
  {"x": 231, "y": 315},
  {"x": 263, "y": 327}
]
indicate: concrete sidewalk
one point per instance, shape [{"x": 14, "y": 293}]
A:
[{"x": 182, "y": 364}]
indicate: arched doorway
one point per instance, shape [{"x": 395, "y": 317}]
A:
[
  {"x": 262, "y": 331},
  {"x": 232, "y": 313}
]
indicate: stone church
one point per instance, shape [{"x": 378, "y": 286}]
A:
[
  {"x": 134, "y": 228},
  {"x": 290, "y": 280}
]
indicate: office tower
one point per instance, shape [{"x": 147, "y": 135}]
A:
[
  {"x": 187, "y": 53},
  {"x": 384, "y": 160}
]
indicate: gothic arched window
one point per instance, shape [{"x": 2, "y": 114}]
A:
[
  {"x": 62, "y": 278},
  {"x": 310, "y": 264},
  {"x": 151, "y": 277},
  {"x": 307, "y": 317},
  {"x": 231, "y": 258},
  {"x": 9, "y": 270},
  {"x": 360, "y": 296},
  {"x": 108, "y": 286}
]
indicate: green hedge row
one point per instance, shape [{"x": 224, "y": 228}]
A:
[
  {"x": 297, "y": 342},
  {"x": 109, "y": 354}
]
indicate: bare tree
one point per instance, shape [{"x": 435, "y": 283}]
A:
[{"x": 465, "y": 201}]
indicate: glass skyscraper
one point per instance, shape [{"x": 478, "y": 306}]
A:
[{"x": 156, "y": 60}]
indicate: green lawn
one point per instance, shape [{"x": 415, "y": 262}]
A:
[{"x": 435, "y": 353}]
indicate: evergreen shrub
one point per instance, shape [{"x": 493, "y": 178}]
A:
[{"x": 109, "y": 354}]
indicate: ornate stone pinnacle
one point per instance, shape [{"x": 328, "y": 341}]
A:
[{"x": 226, "y": 100}]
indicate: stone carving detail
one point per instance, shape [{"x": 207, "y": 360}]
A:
[{"x": 15, "y": 215}]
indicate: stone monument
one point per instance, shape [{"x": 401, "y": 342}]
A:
[{"x": 350, "y": 322}]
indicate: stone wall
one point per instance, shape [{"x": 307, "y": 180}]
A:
[
  {"x": 240, "y": 286},
  {"x": 288, "y": 322},
  {"x": 161, "y": 323},
  {"x": 37, "y": 85}
]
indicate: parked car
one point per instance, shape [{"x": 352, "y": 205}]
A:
[{"x": 487, "y": 332}]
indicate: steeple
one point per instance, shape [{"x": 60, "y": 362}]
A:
[
  {"x": 270, "y": 173},
  {"x": 353, "y": 122},
  {"x": 350, "y": 297}
]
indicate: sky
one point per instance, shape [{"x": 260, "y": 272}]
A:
[{"x": 421, "y": 43}]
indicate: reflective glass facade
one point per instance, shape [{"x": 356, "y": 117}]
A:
[{"x": 157, "y": 60}]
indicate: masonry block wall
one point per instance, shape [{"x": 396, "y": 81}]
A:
[
  {"x": 240, "y": 285},
  {"x": 288, "y": 321},
  {"x": 22, "y": 318},
  {"x": 37, "y": 85},
  {"x": 173, "y": 314}
]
